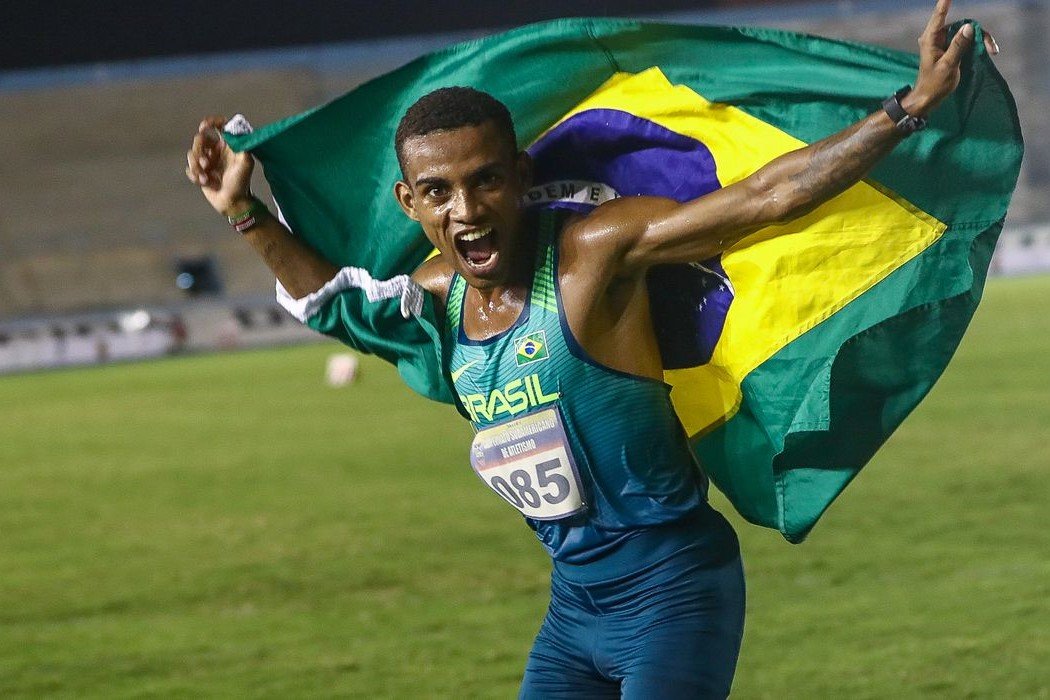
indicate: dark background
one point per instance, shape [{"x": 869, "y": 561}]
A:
[{"x": 38, "y": 33}]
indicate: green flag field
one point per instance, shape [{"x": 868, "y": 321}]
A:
[{"x": 229, "y": 526}]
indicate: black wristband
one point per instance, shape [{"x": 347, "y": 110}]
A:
[{"x": 905, "y": 123}]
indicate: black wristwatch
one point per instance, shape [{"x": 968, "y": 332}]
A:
[{"x": 906, "y": 123}]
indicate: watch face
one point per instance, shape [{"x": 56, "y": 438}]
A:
[{"x": 909, "y": 124}]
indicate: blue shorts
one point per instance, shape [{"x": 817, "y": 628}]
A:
[{"x": 670, "y": 629}]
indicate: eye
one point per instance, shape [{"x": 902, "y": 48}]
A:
[
  {"x": 436, "y": 192},
  {"x": 491, "y": 180}
]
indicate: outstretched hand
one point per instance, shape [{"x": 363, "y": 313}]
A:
[
  {"x": 223, "y": 175},
  {"x": 939, "y": 60}
]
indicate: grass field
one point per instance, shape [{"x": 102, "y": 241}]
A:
[{"x": 227, "y": 526}]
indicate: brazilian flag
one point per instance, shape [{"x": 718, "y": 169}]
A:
[{"x": 795, "y": 354}]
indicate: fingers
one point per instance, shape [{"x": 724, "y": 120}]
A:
[
  {"x": 934, "y": 38},
  {"x": 199, "y": 162},
  {"x": 959, "y": 46},
  {"x": 212, "y": 122},
  {"x": 204, "y": 158},
  {"x": 937, "y": 19},
  {"x": 990, "y": 44},
  {"x": 211, "y": 129},
  {"x": 193, "y": 172},
  {"x": 935, "y": 34}
]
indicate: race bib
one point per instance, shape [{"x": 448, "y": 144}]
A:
[{"x": 528, "y": 462}]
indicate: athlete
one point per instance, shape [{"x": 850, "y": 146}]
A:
[{"x": 552, "y": 353}]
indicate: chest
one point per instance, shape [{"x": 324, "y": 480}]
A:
[
  {"x": 483, "y": 319},
  {"x": 517, "y": 369}
]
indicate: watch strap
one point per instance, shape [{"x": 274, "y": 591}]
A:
[{"x": 905, "y": 123}]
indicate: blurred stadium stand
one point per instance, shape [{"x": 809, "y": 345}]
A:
[{"x": 97, "y": 212}]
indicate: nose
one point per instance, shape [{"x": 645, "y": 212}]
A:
[{"x": 465, "y": 206}]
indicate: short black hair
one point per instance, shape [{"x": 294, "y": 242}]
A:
[{"x": 452, "y": 108}]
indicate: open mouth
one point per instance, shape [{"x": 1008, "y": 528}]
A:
[{"x": 478, "y": 249}]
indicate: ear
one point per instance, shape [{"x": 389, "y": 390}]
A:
[
  {"x": 523, "y": 167},
  {"x": 406, "y": 199}
]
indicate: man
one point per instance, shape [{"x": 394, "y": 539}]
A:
[{"x": 647, "y": 592}]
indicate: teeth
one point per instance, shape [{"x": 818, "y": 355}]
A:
[{"x": 475, "y": 235}]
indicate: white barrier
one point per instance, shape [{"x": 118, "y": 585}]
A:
[
  {"x": 140, "y": 334},
  {"x": 1022, "y": 250}
]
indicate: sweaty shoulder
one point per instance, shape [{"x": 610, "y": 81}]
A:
[
  {"x": 608, "y": 232},
  {"x": 435, "y": 276}
]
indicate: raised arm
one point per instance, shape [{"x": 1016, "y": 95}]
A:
[
  {"x": 641, "y": 232},
  {"x": 225, "y": 180}
]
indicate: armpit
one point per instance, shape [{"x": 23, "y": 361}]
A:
[{"x": 435, "y": 276}]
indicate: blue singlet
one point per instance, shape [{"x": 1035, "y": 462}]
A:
[{"x": 647, "y": 583}]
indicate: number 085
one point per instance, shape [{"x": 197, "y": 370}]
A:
[{"x": 520, "y": 492}]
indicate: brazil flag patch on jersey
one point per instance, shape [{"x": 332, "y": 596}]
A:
[{"x": 531, "y": 348}]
